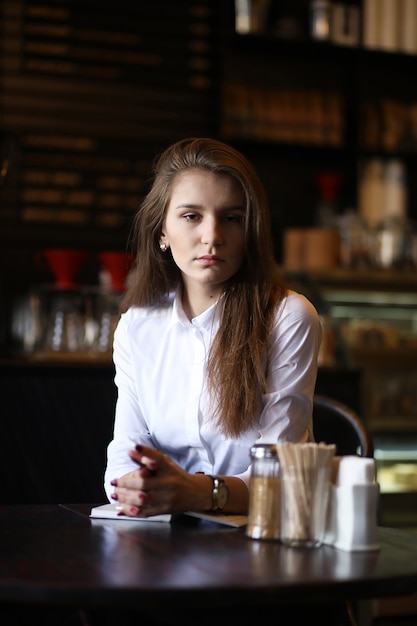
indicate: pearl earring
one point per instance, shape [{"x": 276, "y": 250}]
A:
[{"x": 163, "y": 247}]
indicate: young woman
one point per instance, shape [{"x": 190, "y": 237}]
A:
[{"x": 212, "y": 352}]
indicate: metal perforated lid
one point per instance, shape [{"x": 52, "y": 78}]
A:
[{"x": 264, "y": 451}]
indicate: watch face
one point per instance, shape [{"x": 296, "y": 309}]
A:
[{"x": 222, "y": 495}]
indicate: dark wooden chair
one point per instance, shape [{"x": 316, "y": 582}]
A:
[{"x": 335, "y": 422}]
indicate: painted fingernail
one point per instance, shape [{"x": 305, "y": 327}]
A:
[
  {"x": 114, "y": 496},
  {"x": 138, "y": 448},
  {"x": 114, "y": 482},
  {"x": 134, "y": 510}
]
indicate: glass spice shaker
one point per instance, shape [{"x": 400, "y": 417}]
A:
[{"x": 264, "y": 493}]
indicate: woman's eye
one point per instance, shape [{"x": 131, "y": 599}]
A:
[
  {"x": 190, "y": 216},
  {"x": 234, "y": 218}
]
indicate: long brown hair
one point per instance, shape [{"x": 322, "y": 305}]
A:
[{"x": 235, "y": 367}]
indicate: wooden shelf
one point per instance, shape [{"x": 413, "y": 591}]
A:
[{"x": 340, "y": 278}]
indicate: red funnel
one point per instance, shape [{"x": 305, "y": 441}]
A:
[
  {"x": 118, "y": 265},
  {"x": 65, "y": 265}
]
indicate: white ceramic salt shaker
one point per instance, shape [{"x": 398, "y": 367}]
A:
[{"x": 353, "y": 512}]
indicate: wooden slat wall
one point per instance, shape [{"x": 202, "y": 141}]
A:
[{"x": 90, "y": 92}]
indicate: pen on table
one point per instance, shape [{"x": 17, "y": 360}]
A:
[{"x": 138, "y": 448}]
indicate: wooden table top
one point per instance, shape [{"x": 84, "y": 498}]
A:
[{"x": 56, "y": 555}]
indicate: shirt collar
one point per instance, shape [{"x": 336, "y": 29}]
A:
[{"x": 205, "y": 320}]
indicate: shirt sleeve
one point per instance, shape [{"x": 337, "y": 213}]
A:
[
  {"x": 291, "y": 372},
  {"x": 129, "y": 426}
]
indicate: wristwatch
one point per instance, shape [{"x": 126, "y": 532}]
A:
[{"x": 220, "y": 493}]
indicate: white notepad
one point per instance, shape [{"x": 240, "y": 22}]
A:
[{"x": 109, "y": 511}]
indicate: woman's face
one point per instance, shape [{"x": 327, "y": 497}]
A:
[{"x": 204, "y": 227}]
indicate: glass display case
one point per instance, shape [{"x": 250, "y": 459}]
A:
[{"x": 370, "y": 323}]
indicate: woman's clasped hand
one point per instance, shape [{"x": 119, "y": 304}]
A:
[{"x": 158, "y": 486}]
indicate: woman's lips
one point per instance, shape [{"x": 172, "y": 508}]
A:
[{"x": 208, "y": 260}]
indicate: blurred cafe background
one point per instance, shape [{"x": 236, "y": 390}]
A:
[{"x": 320, "y": 95}]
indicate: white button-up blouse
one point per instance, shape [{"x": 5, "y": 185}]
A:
[{"x": 160, "y": 364}]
